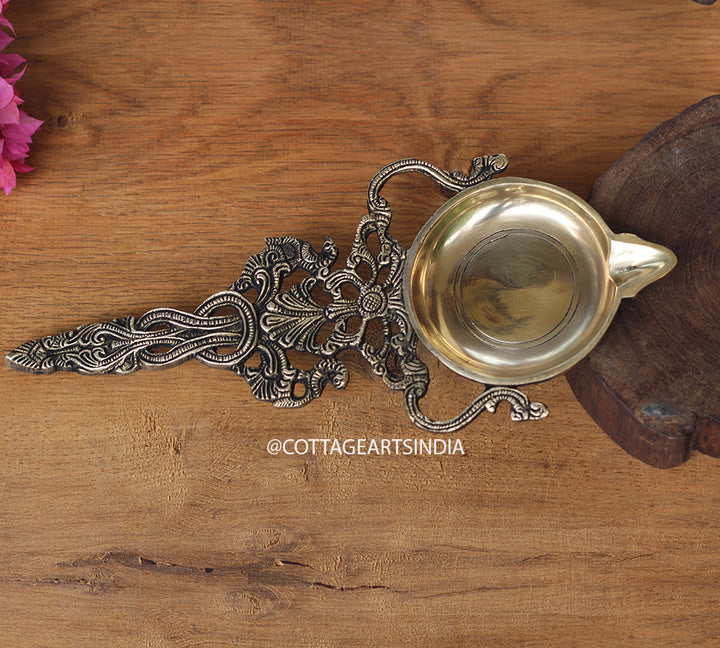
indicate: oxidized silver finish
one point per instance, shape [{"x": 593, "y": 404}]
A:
[
  {"x": 515, "y": 280},
  {"x": 259, "y": 333}
]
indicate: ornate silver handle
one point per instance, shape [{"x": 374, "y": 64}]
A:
[{"x": 252, "y": 341}]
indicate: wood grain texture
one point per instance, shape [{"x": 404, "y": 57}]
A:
[
  {"x": 653, "y": 382},
  {"x": 145, "y": 510}
]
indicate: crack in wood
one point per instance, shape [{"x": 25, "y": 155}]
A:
[
  {"x": 94, "y": 585},
  {"x": 139, "y": 561},
  {"x": 282, "y": 563},
  {"x": 260, "y": 573},
  {"x": 355, "y": 588}
]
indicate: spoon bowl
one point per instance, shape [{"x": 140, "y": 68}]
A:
[{"x": 515, "y": 280}]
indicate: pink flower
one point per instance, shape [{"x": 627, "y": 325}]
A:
[{"x": 16, "y": 127}]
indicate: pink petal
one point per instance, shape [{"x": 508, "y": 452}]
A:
[
  {"x": 7, "y": 33},
  {"x": 9, "y": 114},
  {"x": 23, "y": 129},
  {"x": 7, "y": 177},
  {"x": 15, "y": 149},
  {"x": 4, "y": 22},
  {"x": 7, "y": 93},
  {"x": 20, "y": 167},
  {"x": 12, "y": 67},
  {"x": 15, "y": 139},
  {"x": 28, "y": 125}
]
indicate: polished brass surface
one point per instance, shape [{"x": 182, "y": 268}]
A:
[{"x": 515, "y": 280}]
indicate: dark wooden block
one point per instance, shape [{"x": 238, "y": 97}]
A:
[{"x": 653, "y": 382}]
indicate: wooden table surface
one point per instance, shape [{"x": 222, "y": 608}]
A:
[{"x": 145, "y": 510}]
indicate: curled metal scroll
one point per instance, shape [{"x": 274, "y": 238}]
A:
[{"x": 328, "y": 311}]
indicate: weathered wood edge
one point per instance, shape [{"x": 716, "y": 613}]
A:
[
  {"x": 662, "y": 445},
  {"x": 658, "y": 448}
]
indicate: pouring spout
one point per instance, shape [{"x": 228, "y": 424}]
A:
[{"x": 635, "y": 263}]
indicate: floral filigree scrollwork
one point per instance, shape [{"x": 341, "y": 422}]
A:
[{"x": 327, "y": 311}]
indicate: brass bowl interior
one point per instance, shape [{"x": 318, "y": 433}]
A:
[{"x": 509, "y": 282}]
